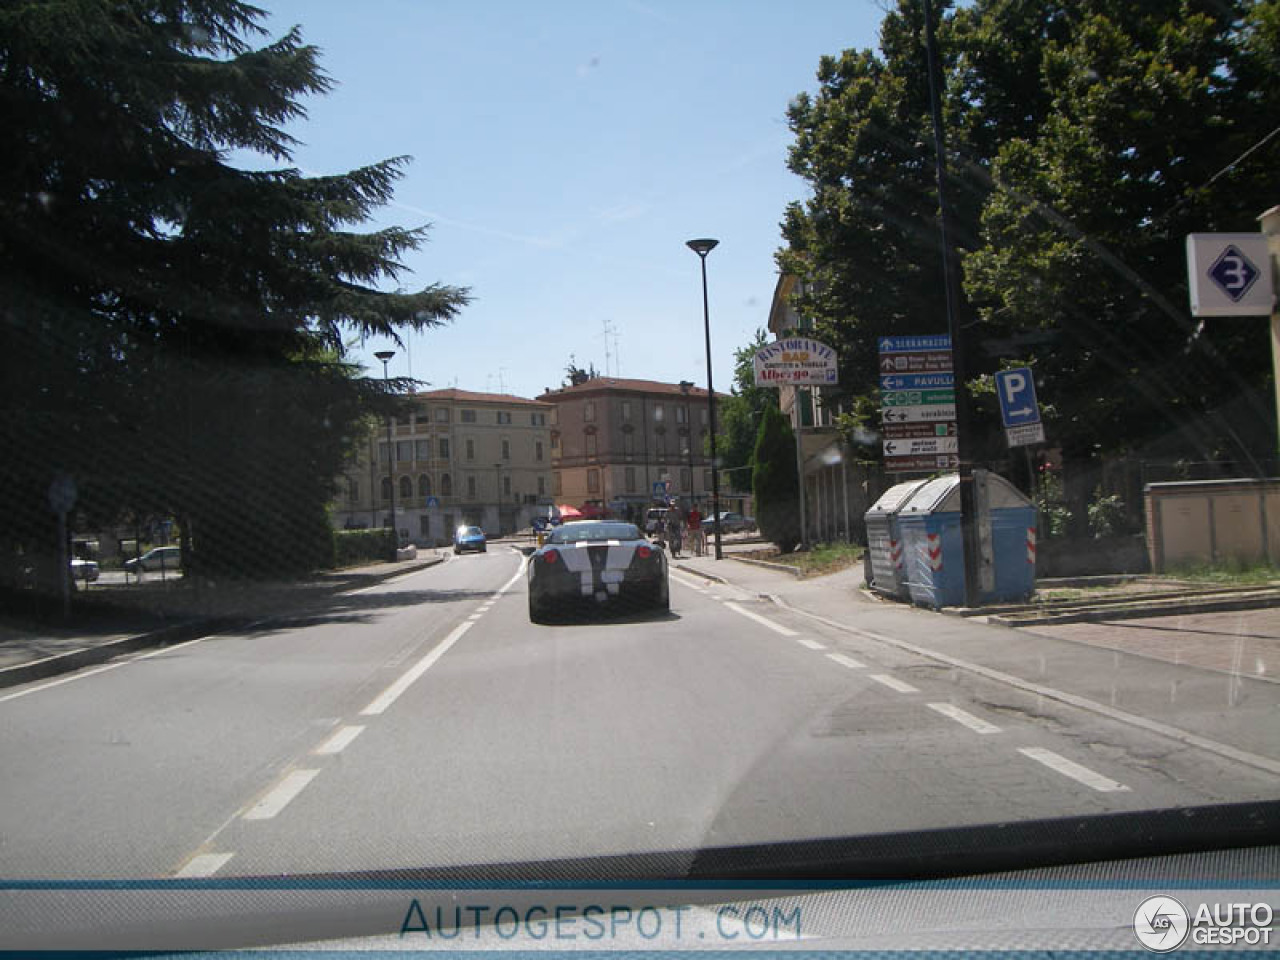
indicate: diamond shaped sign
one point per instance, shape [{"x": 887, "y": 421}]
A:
[{"x": 1234, "y": 273}]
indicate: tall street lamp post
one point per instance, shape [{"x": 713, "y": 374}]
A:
[
  {"x": 385, "y": 356},
  {"x": 702, "y": 247}
]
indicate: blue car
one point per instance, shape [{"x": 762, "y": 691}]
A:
[{"x": 469, "y": 538}]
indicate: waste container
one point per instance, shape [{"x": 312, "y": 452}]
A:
[
  {"x": 933, "y": 552},
  {"x": 884, "y": 541}
]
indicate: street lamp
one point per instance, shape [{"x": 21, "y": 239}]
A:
[
  {"x": 702, "y": 247},
  {"x": 385, "y": 356},
  {"x": 497, "y": 493}
]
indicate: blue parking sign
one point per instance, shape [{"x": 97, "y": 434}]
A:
[{"x": 1017, "y": 392}]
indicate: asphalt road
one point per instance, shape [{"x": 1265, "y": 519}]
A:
[{"x": 425, "y": 721}]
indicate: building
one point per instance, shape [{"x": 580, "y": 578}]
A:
[
  {"x": 620, "y": 443},
  {"x": 480, "y": 459}
]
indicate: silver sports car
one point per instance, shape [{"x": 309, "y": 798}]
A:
[{"x": 597, "y": 561}]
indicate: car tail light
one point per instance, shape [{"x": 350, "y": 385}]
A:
[
  {"x": 551, "y": 556},
  {"x": 643, "y": 553}
]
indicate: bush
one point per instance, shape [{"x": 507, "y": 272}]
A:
[
  {"x": 774, "y": 482},
  {"x": 1106, "y": 515},
  {"x": 352, "y": 547}
]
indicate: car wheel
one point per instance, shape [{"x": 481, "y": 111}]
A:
[
  {"x": 662, "y": 596},
  {"x": 537, "y": 611},
  {"x": 484, "y": 549},
  {"x": 456, "y": 551}
]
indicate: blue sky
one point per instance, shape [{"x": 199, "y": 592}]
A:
[{"x": 564, "y": 152}]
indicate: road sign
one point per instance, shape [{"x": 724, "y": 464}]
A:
[
  {"x": 1025, "y": 434},
  {"x": 903, "y": 431},
  {"x": 915, "y": 398},
  {"x": 925, "y": 464},
  {"x": 928, "y": 342},
  {"x": 1017, "y": 392},
  {"x": 920, "y": 362},
  {"x": 432, "y": 502},
  {"x": 1229, "y": 274},
  {"x": 921, "y": 446},
  {"x": 795, "y": 361},
  {"x": 917, "y": 381},
  {"x": 919, "y": 413}
]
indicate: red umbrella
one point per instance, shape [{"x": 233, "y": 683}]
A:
[{"x": 569, "y": 513}]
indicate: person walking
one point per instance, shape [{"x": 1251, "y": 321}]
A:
[
  {"x": 695, "y": 530},
  {"x": 674, "y": 531}
]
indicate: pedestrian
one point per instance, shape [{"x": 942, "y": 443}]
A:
[
  {"x": 695, "y": 530},
  {"x": 674, "y": 531}
]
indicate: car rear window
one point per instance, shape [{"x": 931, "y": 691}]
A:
[{"x": 578, "y": 532}]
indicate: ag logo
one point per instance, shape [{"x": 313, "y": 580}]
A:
[{"x": 1161, "y": 923}]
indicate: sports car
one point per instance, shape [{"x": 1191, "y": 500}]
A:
[{"x": 598, "y": 561}]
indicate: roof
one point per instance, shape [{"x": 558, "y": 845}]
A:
[
  {"x": 605, "y": 384},
  {"x": 468, "y": 396}
]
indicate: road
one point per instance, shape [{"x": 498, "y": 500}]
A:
[{"x": 424, "y": 721}]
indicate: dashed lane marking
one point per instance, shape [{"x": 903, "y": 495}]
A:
[
  {"x": 339, "y": 741},
  {"x": 389, "y": 696},
  {"x": 976, "y": 724},
  {"x": 279, "y": 796},
  {"x": 1069, "y": 768},
  {"x": 893, "y": 683},
  {"x": 764, "y": 621},
  {"x": 845, "y": 661},
  {"x": 203, "y": 865}
]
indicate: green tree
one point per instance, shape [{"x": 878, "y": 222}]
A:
[
  {"x": 172, "y": 325},
  {"x": 739, "y": 414},
  {"x": 774, "y": 481}
]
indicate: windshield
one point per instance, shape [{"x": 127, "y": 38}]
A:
[{"x": 915, "y": 374}]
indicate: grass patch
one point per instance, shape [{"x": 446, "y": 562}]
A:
[
  {"x": 818, "y": 561},
  {"x": 1228, "y": 573}
]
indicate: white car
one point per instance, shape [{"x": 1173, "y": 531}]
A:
[{"x": 86, "y": 570}]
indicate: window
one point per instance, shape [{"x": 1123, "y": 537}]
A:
[
  {"x": 406, "y": 488},
  {"x": 629, "y": 476},
  {"x": 471, "y": 487},
  {"x": 593, "y": 481},
  {"x": 555, "y": 440},
  {"x": 684, "y": 444},
  {"x": 557, "y": 484},
  {"x": 383, "y": 455},
  {"x": 423, "y": 449},
  {"x": 504, "y": 416},
  {"x": 681, "y": 414},
  {"x": 660, "y": 446},
  {"x": 589, "y": 411},
  {"x": 353, "y": 490},
  {"x": 629, "y": 443},
  {"x": 424, "y": 525},
  {"x": 591, "y": 444},
  {"x": 442, "y": 414},
  {"x": 626, "y": 409},
  {"x": 468, "y": 416},
  {"x": 704, "y": 416},
  {"x": 404, "y": 451},
  {"x": 538, "y": 419},
  {"x": 404, "y": 419},
  {"x": 444, "y": 448},
  {"x": 706, "y": 479},
  {"x": 686, "y": 480},
  {"x": 386, "y": 488},
  {"x": 537, "y": 450},
  {"x": 506, "y": 449},
  {"x": 506, "y": 485},
  {"x": 424, "y": 486},
  {"x": 659, "y": 413},
  {"x": 471, "y": 449},
  {"x": 446, "y": 485},
  {"x": 542, "y": 486}
]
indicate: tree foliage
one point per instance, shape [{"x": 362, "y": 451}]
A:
[
  {"x": 774, "y": 481},
  {"x": 173, "y": 325},
  {"x": 739, "y": 413},
  {"x": 1085, "y": 139}
]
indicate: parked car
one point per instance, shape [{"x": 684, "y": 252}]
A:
[
  {"x": 469, "y": 538},
  {"x": 168, "y": 558},
  {"x": 730, "y": 523},
  {"x": 86, "y": 570},
  {"x": 655, "y": 519},
  {"x": 596, "y": 561}
]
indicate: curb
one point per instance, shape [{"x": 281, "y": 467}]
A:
[
  {"x": 794, "y": 571},
  {"x": 706, "y": 576},
  {"x": 1137, "y": 611},
  {"x": 46, "y": 667}
]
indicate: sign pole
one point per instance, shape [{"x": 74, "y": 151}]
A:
[
  {"x": 804, "y": 538},
  {"x": 1270, "y": 221}
]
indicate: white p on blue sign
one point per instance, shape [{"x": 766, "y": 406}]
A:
[{"x": 1017, "y": 391}]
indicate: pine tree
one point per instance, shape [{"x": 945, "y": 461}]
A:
[{"x": 774, "y": 483}]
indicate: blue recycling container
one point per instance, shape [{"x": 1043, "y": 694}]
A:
[
  {"x": 884, "y": 539},
  {"x": 933, "y": 551}
]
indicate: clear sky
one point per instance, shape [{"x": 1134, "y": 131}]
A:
[{"x": 564, "y": 152}]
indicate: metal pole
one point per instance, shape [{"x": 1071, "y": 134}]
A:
[
  {"x": 795, "y": 409},
  {"x": 964, "y": 436},
  {"x": 711, "y": 409},
  {"x": 844, "y": 484},
  {"x": 384, "y": 356}
]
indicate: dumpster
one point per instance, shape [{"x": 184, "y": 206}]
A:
[
  {"x": 884, "y": 542},
  {"x": 933, "y": 552}
]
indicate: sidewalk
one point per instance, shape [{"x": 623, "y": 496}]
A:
[{"x": 129, "y": 618}]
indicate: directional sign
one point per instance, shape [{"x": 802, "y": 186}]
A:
[
  {"x": 917, "y": 381},
  {"x": 930, "y": 342},
  {"x": 1026, "y": 434},
  {"x": 920, "y": 362},
  {"x": 913, "y": 398},
  {"x": 903, "y": 431},
  {"x": 921, "y": 446},
  {"x": 1229, "y": 274},
  {"x": 925, "y": 464},
  {"x": 1017, "y": 391},
  {"x": 931, "y": 413}
]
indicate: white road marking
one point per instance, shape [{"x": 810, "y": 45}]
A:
[
  {"x": 338, "y": 741},
  {"x": 775, "y": 627},
  {"x": 976, "y": 724},
  {"x": 406, "y": 679},
  {"x": 280, "y": 795},
  {"x": 811, "y": 644},
  {"x": 475, "y": 616},
  {"x": 204, "y": 865},
  {"x": 82, "y": 674},
  {"x": 844, "y": 661},
  {"x": 1069, "y": 768},
  {"x": 893, "y": 683}
]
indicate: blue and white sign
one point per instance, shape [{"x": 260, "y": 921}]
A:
[
  {"x": 1017, "y": 391},
  {"x": 937, "y": 341},
  {"x": 917, "y": 381},
  {"x": 432, "y": 502},
  {"x": 1229, "y": 274}
]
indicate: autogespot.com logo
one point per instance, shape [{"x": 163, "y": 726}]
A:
[{"x": 1161, "y": 923}]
